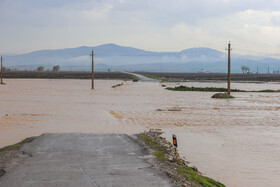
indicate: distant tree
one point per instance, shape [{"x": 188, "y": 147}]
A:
[
  {"x": 245, "y": 69},
  {"x": 56, "y": 68},
  {"x": 40, "y": 68}
]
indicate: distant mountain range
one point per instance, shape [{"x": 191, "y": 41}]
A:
[{"x": 120, "y": 58}]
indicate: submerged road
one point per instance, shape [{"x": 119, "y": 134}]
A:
[
  {"x": 85, "y": 160},
  {"x": 143, "y": 78}
]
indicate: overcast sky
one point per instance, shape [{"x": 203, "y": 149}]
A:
[{"x": 252, "y": 26}]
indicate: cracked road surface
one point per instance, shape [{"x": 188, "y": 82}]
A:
[{"x": 85, "y": 160}]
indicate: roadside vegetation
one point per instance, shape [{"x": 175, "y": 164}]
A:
[
  {"x": 212, "y": 89},
  {"x": 15, "y": 146},
  {"x": 206, "y": 89},
  {"x": 171, "y": 163}
]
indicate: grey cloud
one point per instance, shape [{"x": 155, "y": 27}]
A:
[{"x": 275, "y": 20}]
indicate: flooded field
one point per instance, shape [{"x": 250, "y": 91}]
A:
[{"x": 234, "y": 141}]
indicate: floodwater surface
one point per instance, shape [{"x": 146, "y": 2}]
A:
[{"x": 235, "y": 141}]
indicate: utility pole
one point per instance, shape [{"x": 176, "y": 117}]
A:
[
  {"x": 1, "y": 70},
  {"x": 92, "y": 70},
  {"x": 228, "y": 79},
  {"x": 268, "y": 70},
  {"x": 257, "y": 70}
]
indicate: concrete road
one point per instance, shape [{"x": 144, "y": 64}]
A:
[
  {"x": 85, "y": 160},
  {"x": 143, "y": 78}
]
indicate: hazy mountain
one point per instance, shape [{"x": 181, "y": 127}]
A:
[{"x": 115, "y": 57}]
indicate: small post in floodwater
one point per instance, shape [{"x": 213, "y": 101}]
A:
[
  {"x": 174, "y": 140},
  {"x": 92, "y": 70},
  {"x": 1, "y": 70},
  {"x": 175, "y": 145},
  {"x": 228, "y": 78}
]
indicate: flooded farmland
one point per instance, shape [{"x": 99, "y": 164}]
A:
[{"x": 234, "y": 141}]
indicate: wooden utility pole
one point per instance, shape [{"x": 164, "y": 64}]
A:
[
  {"x": 268, "y": 70},
  {"x": 92, "y": 70},
  {"x": 228, "y": 79},
  {"x": 1, "y": 70}
]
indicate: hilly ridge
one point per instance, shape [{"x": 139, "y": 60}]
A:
[{"x": 120, "y": 58}]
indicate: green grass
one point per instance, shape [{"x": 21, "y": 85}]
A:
[
  {"x": 151, "y": 142},
  {"x": 193, "y": 175},
  {"x": 207, "y": 89},
  {"x": 160, "y": 155},
  {"x": 15, "y": 146},
  {"x": 266, "y": 91},
  {"x": 226, "y": 96},
  {"x": 211, "y": 89}
]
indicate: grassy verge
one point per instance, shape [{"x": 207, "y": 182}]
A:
[
  {"x": 15, "y": 146},
  {"x": 174, "y": 166},
  {"x": 193, "y": 175},
  {"x": 211, "y": 89}
]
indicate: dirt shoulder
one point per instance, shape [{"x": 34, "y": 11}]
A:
[
  {"x": 172, "y": 164},
  {"x": 11, "y": 154}
]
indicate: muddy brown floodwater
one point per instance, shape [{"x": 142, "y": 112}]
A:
[{"x": 235, "y": 141}]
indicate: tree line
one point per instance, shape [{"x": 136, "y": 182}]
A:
[{"x": 40, "y": 68}]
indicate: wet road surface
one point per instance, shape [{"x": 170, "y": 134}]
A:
[{"x": 85, "y": 160}]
